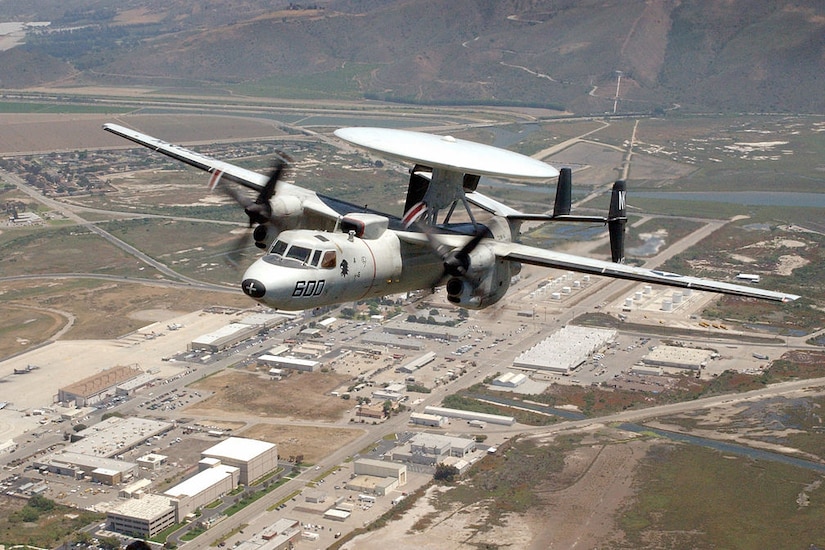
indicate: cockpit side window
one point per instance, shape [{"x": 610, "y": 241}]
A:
[
  {"x": 299, "y": 253},
  {"x": 329, "y": 260},
  {"x": 278, "y": 248},
  {"x": 316, "y": 255}
]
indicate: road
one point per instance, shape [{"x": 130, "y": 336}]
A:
[{"x": 69, "y": 212}]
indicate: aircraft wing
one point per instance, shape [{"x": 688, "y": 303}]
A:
[
  {"x": 225, "y": 171},
  {"x": 559, "y": 260},
  {"x": 245, "y": 177},
  {"x": 516, "y": 252}
]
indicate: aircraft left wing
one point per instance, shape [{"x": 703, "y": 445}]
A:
[
  {"x": 559, "y": 260},
  {"x": 516, "y": 252}
]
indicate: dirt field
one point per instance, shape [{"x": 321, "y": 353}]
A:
[
  {"x": 577, "y": 510},
  {"x": 313, "y": 442},
  {"x": 298, "y": 396},
  {"x": 34, "y": 312},
  {"x": 32, "y": 133}
]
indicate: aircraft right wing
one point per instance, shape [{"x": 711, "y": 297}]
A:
[
  {"x": 547, "y": 258},
  {"x": 224, "y": 170}
]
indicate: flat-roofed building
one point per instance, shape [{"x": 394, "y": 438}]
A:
[
  {"x": 252, "y": 457},
  {"x": 224, "y": 337},
  {"x": 151, "y": 461},
  {"x": 115, "y": 435},
  {"x": 134, "y": 488},
  {"x": 565, "y": 349},
  {"x": 289, "y": 362},
  {"x": 372, "y": 485},
  {"x": 677, "y": 357},
  {"x": 95, "y": 388},
  {"x": 424, "y": 419},
  {"x": 142, "y": 517},
  {"x": 381, "y": 468},
  {"x": 470, "y": 415},
  {"x": 428, "y": 331},
  {"x": 202, "y": 488},
  {"x": 76, "y": 465}
]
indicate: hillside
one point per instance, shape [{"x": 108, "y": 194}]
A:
[{"x": 728, "y": 55}]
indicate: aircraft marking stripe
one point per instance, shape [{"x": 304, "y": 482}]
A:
[
  {"x": 213, "y": 181},
  {"x": 413, "y": 214}
]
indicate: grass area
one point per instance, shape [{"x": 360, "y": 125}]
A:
[
  {"x": 685, "y": 499},
  {"x": 464, "y": 402},
  {"x": 43, "y": 529},
  {"x": 14, "y": 107},
  {"x": 506, "y": 480},
  {"x": 342, "y": 83},
  {"x": 65, "y": 250},
  {"x": 101, "y": 308}
]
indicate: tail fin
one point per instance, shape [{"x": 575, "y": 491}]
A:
[
  {"x": 616, "y": 221},
  {"x": 417, "y": 187},
  {"x": 564, "y": 192}
]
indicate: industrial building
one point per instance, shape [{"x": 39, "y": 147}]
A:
[
  {"x": 424, "y": 419},
  {"x": 510, "y": 380},
  {"x": 78, "y": 466},
  {"x": 412, "y": 366},
  {"x": 253, "y": 458},
  {"x": 212, "y": 482},
  {"x": 93, "y": 455},
  {"x": 432, "y": 449},
  {"x": 142, "y": 517},
  {"x": 470, "y": 415},
  {"x": 392, "y": 341},
  {"x": 428, "y": 331},
  {"x": 264, "y": 320},
  {"x": 377, "y": 476},
  {"x": 95, "y": 388},
  {"x": 565, "y": 349},
  {"x": 116, "y": 435},
  {"x": 289, "y": 362},
  {"x": 281, "y": 535},
  {"x": 677, "y": 358},
  {"x": 223, "y": 338}
]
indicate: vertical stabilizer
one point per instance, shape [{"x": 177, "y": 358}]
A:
[
  {"x": 418, "y": 185},
  {"x": 564, "y": 192},
  {"x": 616, "y": 221}
]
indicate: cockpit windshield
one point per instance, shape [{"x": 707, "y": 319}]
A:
[{"x": 325, "y": 259}]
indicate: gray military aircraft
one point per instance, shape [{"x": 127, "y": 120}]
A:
[{"x": 321, "y": 251}]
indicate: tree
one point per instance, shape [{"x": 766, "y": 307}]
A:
[
  {"x": 79, "y": 427},
  {"x": 41, "y": 503},
  {"x": 445, "y": 472},
  {"x": 109, "y": 543}
]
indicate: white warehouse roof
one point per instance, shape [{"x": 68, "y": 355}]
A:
[
  {"x": 200, "y": 482},
  {"x": 565, "y": 349},
  {"x": 239, "y": 448}
]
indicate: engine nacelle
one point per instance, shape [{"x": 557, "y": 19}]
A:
[
  {"x": 485, "y": 283},
  {"x": 287, "y": 210}
]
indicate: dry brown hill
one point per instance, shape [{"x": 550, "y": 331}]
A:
[{"x": 732, "y": 55}]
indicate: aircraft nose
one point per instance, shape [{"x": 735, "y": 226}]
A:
[{"x": 253, "y": 288}]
